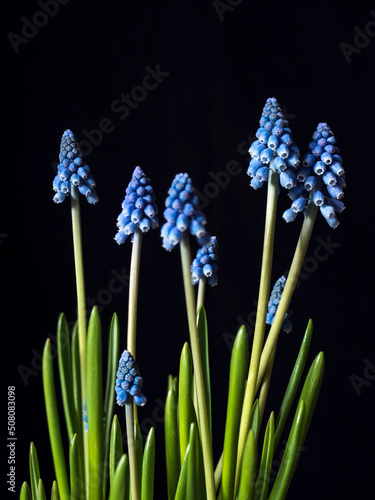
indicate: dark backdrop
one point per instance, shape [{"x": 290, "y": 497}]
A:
[{"x": 214, "y": 65}]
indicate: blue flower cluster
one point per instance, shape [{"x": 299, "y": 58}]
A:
[
  {"x": 129, "y": 381},
  {"x": 182, "y": 213},
  {"x": 138, "y": 208},
  {"x": 73, "y": 171},
  {"x": 205, "y": 263},
  {"x": 274, "y": 302},
  {"x": 84, "y": 417},
  {"x": 274, "y": 148},
  {"x": 321, "y": 178}
]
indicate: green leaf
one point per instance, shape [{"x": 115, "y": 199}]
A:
[
  {"x": 263, "y": 480},
  {"x": 25, "y": 493},
  {"x": 290, "y": 456},
  {"x": 203, "y": 344},
  {"x": 249, "y": 464},
  {"x": 237, "y": 380},
  {"x": 65, "y": 373},
  {"x": 183, "y": 479},
  {"x": 148, "y": 467},
  {"x": 310, "y": 392},
  {"x": 76, "y": 379},
  {"x": 119, "y": 489},
  {"x": 76, "y": 473},
  {"x": 95, "y": 407},
  {"x": 41, "y": 491},
  {"x": 293, "y": 383},
  {"x": 138, "y": 449},
  {"x": 192, "y": 485},
  {"x": 54, "y": 423},
  {"x": 115, "y": 447},
  {"x": 254, "y": 419},
  {"x": 109, "y": 400},
  {"x": 172, "y": 446},
  {"x": 34, "y": 471},
  {"x": 185, "y": 403},
  {"x": 55, "y": 492}
]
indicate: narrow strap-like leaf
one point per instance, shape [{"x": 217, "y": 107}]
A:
[
  {"x": 183, "y": 479},
  {"x": 290, "y": 456},
  {"x": 148, "y": 467},
  {"x": 138, "y": 449},
  {"x": 65, "y": 374},
  {"x": 76, "y": 475},
  {"x": 34, "y": 471},
  {"x": 95, "y": 407},
  {"x": 54, "y": 423},
  {"x": 115, "y": 447},
  {"x": 76, "y": 380},
  {"x": 25, "y": 493},
  {"x": 185, "y": 404},
  {"x": 237, "y": 378},
  {"x": 310, "y": 392},
  {"x": 192, "y": 485},
  {"x": 41, "y": 491},
  {"x": 254, "y": 419},
  {"x": 249, "y": 464},
  {"x": 109, "y": 400},
  {"x": 119, "y": 489},
  {"x": 172, "y": 445},
  {"x": 293, "y": 383},
  {"x": 203, "y": 344},
  {"x": 55, "y": 492},
  {"x": 263, "y": 480}
]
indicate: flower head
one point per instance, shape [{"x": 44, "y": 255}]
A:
[
  {"x": 182, "y": 214},
  {"x": 321, "y": 178},
  {"x": 73, "y": 171},
  {"x": 273, "y": 304},
  {"x": 274, "y": 148},
  {"x": 205, "y": 263},
  {"x": 138, "y": 208},
  {"x": 129, "y": 381}
]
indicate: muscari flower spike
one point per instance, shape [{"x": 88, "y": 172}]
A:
[
  {"x": 273, "y": 304},
  {"x": 129, "y": 381},
  {"x": 205, "y": 263},
  {"x": 138, "y": 208},
  {"x": 73, "y": 171},
  {"x": 321, "y": 178},
  {"x": 274, "y": 148},
  {"x": 182, "y": 214},
  {"x": 84, "y": 417}
]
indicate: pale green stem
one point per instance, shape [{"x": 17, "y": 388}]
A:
[
  {"x": 197, "y": 364},
  {"x": 286, "y": 297},
  {"x": 219, "y": 472},
  {"x": 132, "y": 454},
  {"x": 201, "y": 292},
  {"x": 263, "y": 393},
  {"x": 260, "y": 322},
  {"x": 133, "y": 296},
  {"x": 81, "y": 304}
]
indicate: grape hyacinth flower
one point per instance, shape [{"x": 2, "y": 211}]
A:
[
  {"x": 73, "y": 171},
  {"x": 138, "y": 208},
  {"x": 274, "y": 148},
  {"x": 129, "y": 381},
  {"x": 321, "y": 178},
  {"x": 84, "y": 417},
  {"x": 274, "y": 303},
  {"x": 182, "y": 213},
  {"x": 205, "y": 263}
]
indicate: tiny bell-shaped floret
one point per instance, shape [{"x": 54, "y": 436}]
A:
[
  {"x": 73, "y": 171},
  {"x": 139, "y": 209},
  {"x": 129, "y": 381},
  {"x": 205, "y": 263}
]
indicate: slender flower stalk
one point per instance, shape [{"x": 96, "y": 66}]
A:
[
  {"x": 290, "y": 285},
  {"x": 133, "y": 291},
  {"x": 197, "y": 363},
  {"x": 260, "y": 323},
  {"x": 134, "y": 481},
  {"x": 201, "y": 292}
]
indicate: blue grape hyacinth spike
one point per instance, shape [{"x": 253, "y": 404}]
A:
[
  {"x": 273, "y": 304},
  {"x": 205, "y": 263},
  {"x": 129, "y": 381}
]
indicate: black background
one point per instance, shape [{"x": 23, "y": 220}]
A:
[{"x": 219, "y": 68}]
